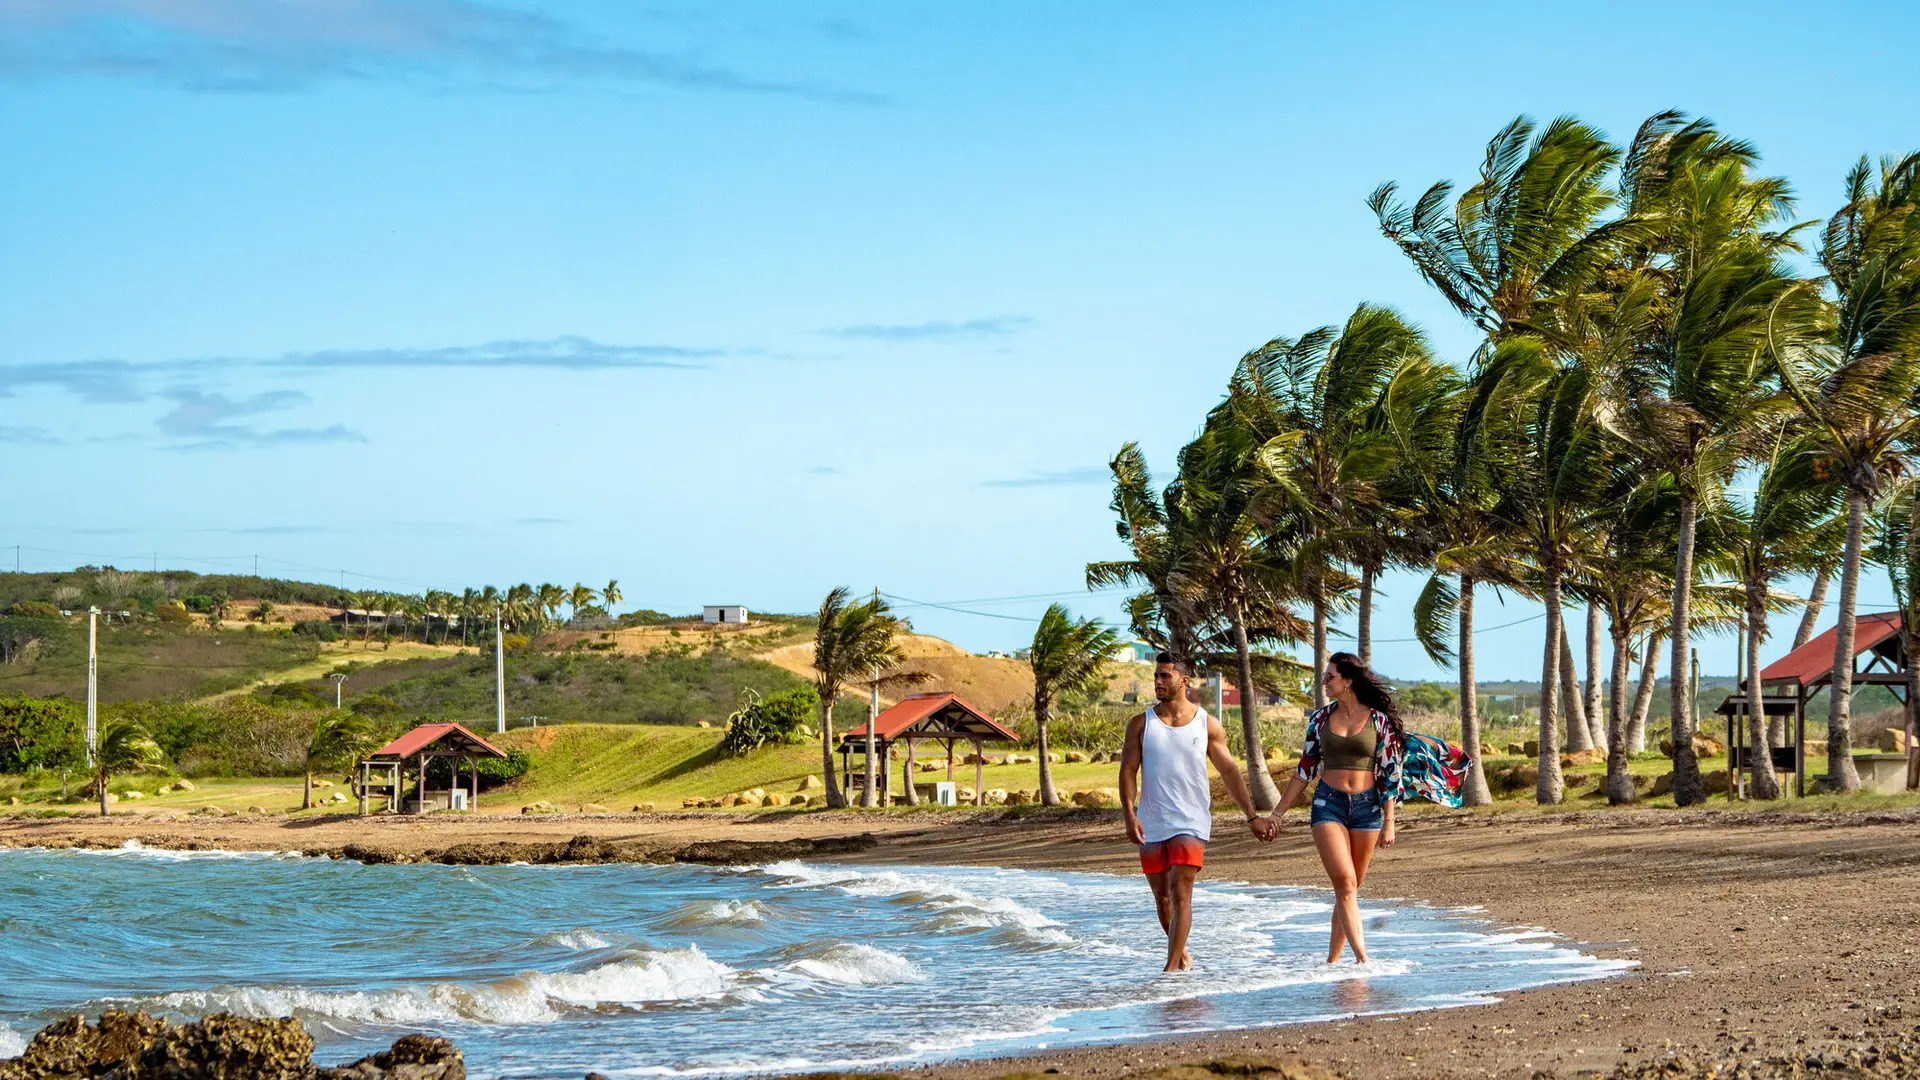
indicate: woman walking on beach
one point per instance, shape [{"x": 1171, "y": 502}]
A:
[{"x": 1354, "y": 743}]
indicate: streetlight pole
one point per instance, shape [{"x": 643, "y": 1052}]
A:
[
  {"x": 93, "y": 681},
  {"x": 338, "y": 678},
  {"x": 499, "y": 676}
]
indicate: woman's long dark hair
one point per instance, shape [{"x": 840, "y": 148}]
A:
[{"x": 1369, "y": 689}]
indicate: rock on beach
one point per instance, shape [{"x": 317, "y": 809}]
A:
[{"x": 220, "y": 1047}]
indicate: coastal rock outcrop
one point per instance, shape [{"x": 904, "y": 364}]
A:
[{"x": 220, "y": 1047}]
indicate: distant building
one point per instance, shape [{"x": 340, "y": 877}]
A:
[
  {"x": 1133, "y": 652},
  {"x": 724, "y": 615}
]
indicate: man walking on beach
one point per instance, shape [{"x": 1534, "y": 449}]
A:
[{"x": 1166, "y": 753}]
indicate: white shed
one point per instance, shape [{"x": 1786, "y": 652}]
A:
[{"x": 728, "y": 614}]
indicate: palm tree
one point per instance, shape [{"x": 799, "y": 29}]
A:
[
  {"x": 467, "y": 605},
  {"x": 1148, "y": 524},
  {"x": 338, "y": 735},
  {"x": 1859, "y": 384},
  {"x": 850, "y": 641},
  {"x": 415, "y": 607},
  {"x": 611, "y": 596},
  {"x": 1516, "y": 243},
  {"x": 548, "y": 599},
  {"x": 121, "y": 746},
  {"x": 1794, "y": 520},
  {"x": 1069, "y": 657},
  {"x": 579, "y": 597},
  {"x": 262, "y": 611},
  {"x": 1561, "y": 471}
]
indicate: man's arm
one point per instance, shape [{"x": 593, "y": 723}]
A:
[
  {"x": 1222, "y": 758},
  {"x": 1130, "y": 776}
]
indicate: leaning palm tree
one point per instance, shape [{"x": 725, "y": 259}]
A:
[
  {"x": 1069, "y": 657},
  {"x": 850, "y": 642},
  {"x": 1149, "y": 523},
  {"x": 337, "y": 735},
  {"x": 121, "y": 746},
  {"x": 1792, "y": 523},
  {"x": 1860, "y": 385},
  {"x": 611, "y": 596},
  {"x": 548, "y": 599}
]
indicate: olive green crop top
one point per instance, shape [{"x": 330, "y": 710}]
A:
[{"x": 1349, "y": 751}]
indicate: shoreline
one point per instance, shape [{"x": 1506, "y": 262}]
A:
[{"x": 1759, "y": 935}]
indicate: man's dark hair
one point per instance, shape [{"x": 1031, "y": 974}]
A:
[{"x": 1179, "y": 663}]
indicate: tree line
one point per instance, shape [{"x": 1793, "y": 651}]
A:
[{"x": 1647, "y": 346}]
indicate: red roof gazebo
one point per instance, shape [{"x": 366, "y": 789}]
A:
[
  {"x": 942, "y": 717},
  {"x": 428, "y": 741},
  {"x": 1804, "y": 671}
]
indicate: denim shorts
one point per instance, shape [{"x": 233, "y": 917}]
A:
[{"x": 1359, "y": 812}]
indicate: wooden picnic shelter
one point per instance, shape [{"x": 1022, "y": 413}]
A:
[
  {"x": 1879, "y": 659},
  {"x": 446, "y": 740},
  {"x": 938, "y": 717}
]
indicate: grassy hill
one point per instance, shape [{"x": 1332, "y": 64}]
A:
[
  {"x": 668, "y": 685},
  {"x": 147, "y": 659}
]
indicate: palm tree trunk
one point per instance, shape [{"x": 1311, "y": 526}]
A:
[
  {"x": 1760, "y": 755},
  {"x": 100, "y": 788},
  {"x": 1259, "y": 784},
  {"x": 1474, "y": 791},
  {"x": 907, "y": 791},
  {"x": 1596, "y": 707},
  {"x": 1687, "y": 785},
  {"x": 306, "y": 790},
  {"x": 1643, "y": 695},
  {"x": 1620, "y": 790},
  {"x": 1579, "y": 739},
  {"x": 870, "y": 795},
  {"x": 1840, "y": 771},
  {"x": 1319, "y": 652},
  {"x": 1363, "y": 621},
  {"x": 1816, "y": 602},
  {"x": 836, "y": 799},
  {"x": 1548, "y": 788},
  {"x": 1043, "y": 712}
]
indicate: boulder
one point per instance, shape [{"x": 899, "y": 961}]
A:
[
  {"x": 210, "y": 811},
  {"x": 1530, "y": 748},
  {"x": 963, "y": 796},
  {"x": 112, "y": 798},
  {"x": 317, "y": 782},
  {"x": 928, "y": 766},
  {"x": 135, "y": 1044},
  {"x": 1891, "y": 741},
  {"x": 996, "y": 797},
  {"x": 1021, "y": 759},
  {"x": 1022, "y": 798},
  {"x": 1075, "y": 757},
  {"x": 413, "y": 1057},
  {"x": 810, "y": 783},
  {"x": 132, "y": 796},
  {"x": 1662, "y": 785},
  {"x": 1717, "y": 782},
  {"x": 1053, "y": 758},
  {"x": 183, "y": 785},
  {"x": 338, "y": 797},
  {"x": 256, "y": 809},
  {"x": 754, "y": 794},
  {"x": 541, "y": 807},
  {"x": 773, "y": 800},
  {"x": 704, "y": 724},
  {"x": 163, "y": 789},
  {"x": 1576, "y": 779},
  {"x": 1704, "y": 746},
  {"x": 592, "y": 808},
  {"x": 1512, "y": 778},
  {"x": 797, "y": 799},
  {"x": 1519, "y": 749},
  {"x": 1594, "y": 756},
  {"x": 14, "y": 800},
  {"x": 643, "y": 808},
  {"x": 1096, "y": 797},
  {"x": 1487, "y": 751},
  {"x": 692, "y": 801}
]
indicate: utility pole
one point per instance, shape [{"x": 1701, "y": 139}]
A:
[
  {"x": 256, "y": 566},
  {"x": 870, "y": 797},
  {"x": 93, "y": 682},
  {"x": 1220, "y": 697},
  {"x": 338, "y": 678},
  {"x": 499, "y": 676}
]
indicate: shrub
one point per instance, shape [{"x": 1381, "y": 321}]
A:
[
  {"x": 291, "y": 694},
  {"x": 375, "y": 705},
  {"x": 35, "y": 609},
  {"x": 514, "y": 642},
  {"x": 318, "y": 629},
  {"x": 774, "y": 718},
  {"x": 493, "y": 771},
  {"x": 173, "y": 612},
  {"x": 41, "y": 733}
]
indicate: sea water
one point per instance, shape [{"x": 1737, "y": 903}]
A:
[{"x": 635, "y": 970}]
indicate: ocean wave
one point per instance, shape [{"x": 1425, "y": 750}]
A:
[
  {"x": 950, "y": 907},
  {"x": 528, "y": 998},
  {"x": 579, "y": 940},
  {"x": 135, "y": 848},
  {"x": 715, "y": 913},
  {"x": 849, "y": 964},
  {"x": 12, "y": 1043}
]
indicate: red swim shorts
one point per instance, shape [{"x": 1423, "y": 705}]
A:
[{"x": 1177, "y": 850}]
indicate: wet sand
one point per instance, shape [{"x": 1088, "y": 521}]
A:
[{"x": 1763, "y": 935}]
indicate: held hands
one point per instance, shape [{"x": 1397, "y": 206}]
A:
[{"x": 1264, "y": 828}]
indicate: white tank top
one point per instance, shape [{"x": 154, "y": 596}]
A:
[{"x": 1175, "y": 796}]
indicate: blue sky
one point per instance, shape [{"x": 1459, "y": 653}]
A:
[{"x": 739, "y": 302}]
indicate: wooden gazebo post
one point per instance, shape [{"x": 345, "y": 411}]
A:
[
  {"x": 420, "y": 787},
  {"x": 906, "y": 770},
  {"x": 979, "y": 772}
]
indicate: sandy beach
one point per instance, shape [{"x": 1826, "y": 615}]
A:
[{"x": 1759, "y": 935}]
